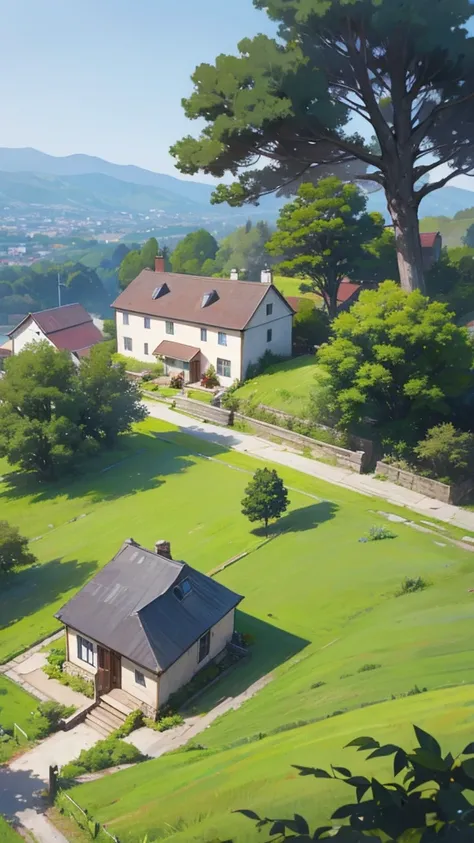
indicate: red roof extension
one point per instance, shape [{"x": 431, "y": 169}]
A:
[{"x": 428, "y": 239}]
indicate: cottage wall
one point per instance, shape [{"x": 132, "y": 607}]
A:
[
  {"x": 147, "y": 693},
  {"x": 183, "y": 670}
]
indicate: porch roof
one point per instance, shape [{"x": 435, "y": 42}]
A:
[{"x": 177, "y": 351}]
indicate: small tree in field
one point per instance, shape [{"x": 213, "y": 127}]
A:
[
  {"x": 13, "y": 548},
  {"x": 265, "y": 498}
]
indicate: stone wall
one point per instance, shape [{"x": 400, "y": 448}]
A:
[
  {"x": 426, "y": 486},
  {"x": 74, "y": 670},
  {"x": 202, "y": 410}
]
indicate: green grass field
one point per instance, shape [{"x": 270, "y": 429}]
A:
[
  {"x": 452, "y": 230},
  {"x": 8, "y": 834},
  {"x": 291, "y": 287},
  {"x": 16, "y": 706},
  {"x": 320, "y": 605},
  {"x": 285, "y": 386}
]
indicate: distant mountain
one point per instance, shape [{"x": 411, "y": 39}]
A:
[{"x": 88, "y": 183}]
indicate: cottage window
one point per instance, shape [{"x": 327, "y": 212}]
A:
[
  {"x": 269, "y": 335},
  {"x": 125, "y": 318},
  {"x": 222, "y": 338},
  {"x": 269, "y": 309},
  {"x": 203, "y": 334},
  {"x": 169, "y": 327},
  {"x": 147, "y": 321},
  {"x": 127, "y": 344},
  {"x": 204, "y": 645},
  {"x": 223, "y": 368},
  {"x": 85, "y": 650},
  {"x": 145, "y": 348},
  {"x": 140, "y": 678}
]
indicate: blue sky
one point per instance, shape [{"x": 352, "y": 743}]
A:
[{"x": 106, "y": 77}]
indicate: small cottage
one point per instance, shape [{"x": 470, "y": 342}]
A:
[{"x": 146, "y": 624}]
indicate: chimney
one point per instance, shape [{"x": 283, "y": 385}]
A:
[
  {"x": 266, "y": 276},
  {"x": 234, "y": 274},
  {"x": 163, "y": 548},
  {"x": 159, "y": 263}
]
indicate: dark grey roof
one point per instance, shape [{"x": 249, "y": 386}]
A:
[{"x": 130, "y": 607}]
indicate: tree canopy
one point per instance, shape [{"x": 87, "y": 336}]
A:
[
  {"x": 194, "y": 252},
  {"x": 52, "y": 415},
  {"x": 404, "y": 71},
  {"x": 244, "y": 250},
  {"x": 29, "y": 288},
  {"x": 14, "y": 550},
  {"x": 136, "y": 260},
  {"x": 397, "y": 358},
  {"x": 323, "y": 234},
  {"x": 266, "y": 497},
  {"x": 451, "y": 280}
]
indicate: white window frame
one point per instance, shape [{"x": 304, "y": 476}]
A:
[
  {"x": 85, "y": 650},
  {"x": 203, "y": 334},
  {"x": 145, "y": 348},
  {"x": 146, "y": 322},
  {"x": 140, "y": 678},
  {"x": 223, "y": 365},
  {"x": 127, "y": 344},
  {"x": 207, "y": 646},
  {"x": 169, "y": 328},
  {"x": 125, "y": 318},
  {"x": 221, "y": 338}
]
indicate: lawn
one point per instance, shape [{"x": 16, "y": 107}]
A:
[
  {"x": 199, "y": 395},
  {"x": 285, "y": 386},
  {"x": 291, "y": 287},
  {"x": 8, "y": 834},
  {"x": 15, "y": 707},
  {"x": 320, "y": 605},
  {"x": 190, "y": 796}
]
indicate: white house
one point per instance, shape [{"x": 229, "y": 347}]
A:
[
  {"x": 191, "y": 322},
  {"x": 69, "y": 328}
]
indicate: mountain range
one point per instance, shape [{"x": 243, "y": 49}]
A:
[{"x": 90, "y": 184}]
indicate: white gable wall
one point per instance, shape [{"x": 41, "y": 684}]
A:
[
  {"x": 29, "y": 332},
  {"x": 280, "y": 322}
]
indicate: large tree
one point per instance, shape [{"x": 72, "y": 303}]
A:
[
  {"x": 322, "y": 235},
  {"x": 244, "y": 250},
  {"x": 136, "y": 260},
  {"x": 403, "y": 69},
  {"x": 266, "y": 497},
  {"x": 397, "y": 358},
  {"x": 193, "y": 252}
]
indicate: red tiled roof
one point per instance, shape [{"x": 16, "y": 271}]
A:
[
  {"x": 232, "y": 308},
  {"x": 428, "y": 239},
  {"x": 295, "y": 302},
  {"x": 5, "y": 352},
  {"x": 69, "y": 327},
  {"x": 176, "y": 350}
]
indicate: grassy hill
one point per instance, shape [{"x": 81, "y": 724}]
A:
[
  {"x": 452, "y": 230},
  {"x": 285, "y": 386}
]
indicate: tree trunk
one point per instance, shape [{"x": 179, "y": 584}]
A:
[
  {"x": 266, "y": 528},
  {"x": 404, "y": 216}
]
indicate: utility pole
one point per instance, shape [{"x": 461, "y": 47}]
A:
[{"x": 59, "y": 289}]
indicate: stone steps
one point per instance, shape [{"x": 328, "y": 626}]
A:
[{"x": 105, "y": 719}]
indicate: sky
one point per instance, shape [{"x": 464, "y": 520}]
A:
[{"x": 106, "y": 77}]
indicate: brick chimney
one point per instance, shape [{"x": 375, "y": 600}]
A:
[
  {"x": 163, "y": 548},
  {"x": 266, "y": 276},
  {"x": 159, "y": 263},
  {"x": 234, "y": 274}
]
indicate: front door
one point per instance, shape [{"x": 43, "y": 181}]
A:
[
  {"x": 194, "y": 371},
  {"x": 103, "y": 670},
  {"x": 115, "y": 670}
]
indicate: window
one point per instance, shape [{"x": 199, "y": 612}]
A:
[
  {"x": 223, "y": 368},
  {"x": 127, "y": 344},
  {"x": 85, "y": 650},
  {"x": 125, "y": 318},
  {"x": 147, "y": 321},
  {"x": 222, "y": 338},
  {"x": 203, "y": 334},
  {"x": 182, "y": 589},
  {"x": 140, "y": 678},
  {"x": 145, "y": 348},
  {"x": 204, "y": 645},
  {"x": 170, "y": 327},
  {"x": 269, "y": 335},
  {"x": 269, "y": 309}
]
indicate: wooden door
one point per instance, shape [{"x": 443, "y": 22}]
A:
[
  {"x": 194, "y": 371},
  {"x": 115, "y": 670},
  {"x": 104, "y": 673}
]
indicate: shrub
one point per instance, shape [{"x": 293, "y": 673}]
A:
[
  {"x": 131, "y": 364},
  {"x": 230, "y": 402},
  {"x": 377, "y": 534},
  {"x": 107, "y": 753},
  {"x": 164, "y": 723},
  {"x": 48, "y": 716},
  {"x": 446, "y": 454},
  {"x": 76, "y": 683},
  {"x": 177, "y": 381},
  {"x": 133, "y": 721},
  {"x": 367, "y": 667},
  {"x": 410, "y": 585},
  {"x": 209, "y": 378},
  {"x": 317, "y": 685},
  {"x": 57, "y": 656}
]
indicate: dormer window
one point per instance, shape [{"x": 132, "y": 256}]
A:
[
  {"x": 160, "y": 291},
  {"x": 182, "y": 590},
  {"x": 209, "y": 298}
]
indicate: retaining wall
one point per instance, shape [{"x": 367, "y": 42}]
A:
[
  {"x": 203, "y": 411},
  {"x": 424, "y": 485}
]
